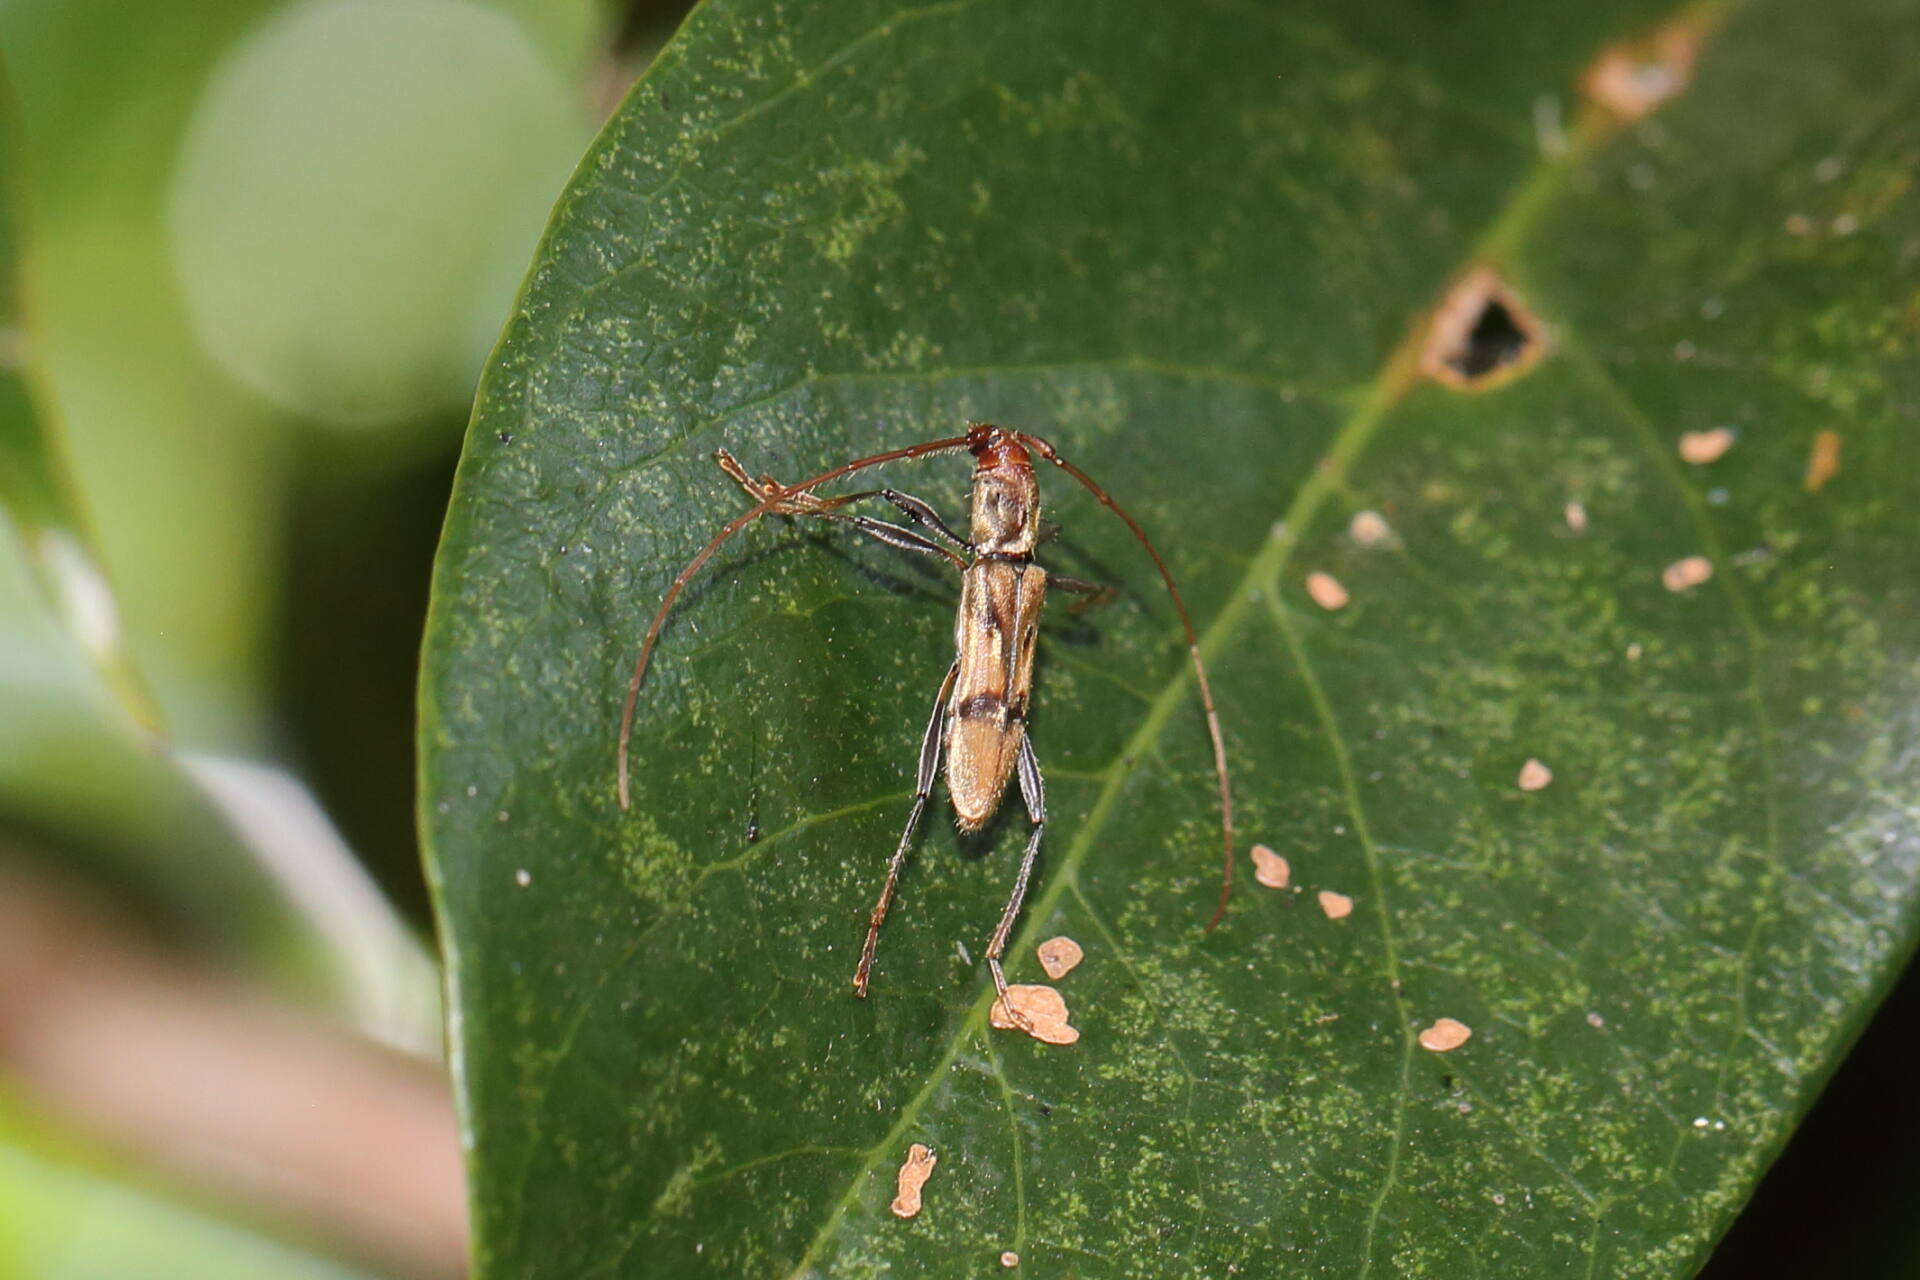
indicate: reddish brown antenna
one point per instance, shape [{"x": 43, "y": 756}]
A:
[
  {"x": 1047, "y": 451},
  {"x": 775, "y": 495}
]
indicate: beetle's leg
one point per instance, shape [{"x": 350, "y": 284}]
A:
[
  {"x": 924, "y": 449},
  {"x": 923, "y": 787},
  {"x": 1034, "y": 792},
  {"x": 807, "y": 504},
  {"x": 1090, "y": 593},
  {"x": 896, "y": 536},
  {"x": 767, "y": 488},
  {"x": 921, "y": 512}
]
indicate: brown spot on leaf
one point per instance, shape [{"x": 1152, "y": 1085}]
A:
[
  {"x": 1481, "y": 336},
  {"x": 1445, "y": 1035},
  {"x": 1338, "y": 906},
  {"x": 1043, "y": 1010},
  {"x": 1701, "y": 447},
  {"x": 1823, "y": 464},
  {"x": 1632, "y": 79},
  {"x": 913, "y": 1176},
  {"x": 1534, "y": 775},
  {"x": 1326, "y": 590},
  {"x": 1059, "y": 956},
  {"x": 1576, "y": 514},
  {"x": 1009, "y": 1259},
  {"x": 1690, "y": 572},
  {"x": 1269, "y": 868}
]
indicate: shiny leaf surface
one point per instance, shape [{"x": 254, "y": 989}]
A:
[{"x": 1205, "y": 251}]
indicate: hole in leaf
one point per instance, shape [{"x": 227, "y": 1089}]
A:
[
  {"x": 1482, "y": 335},
  {"x": 1495, "y": 340}
]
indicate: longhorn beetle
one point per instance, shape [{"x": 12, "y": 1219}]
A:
[{"x": 979, "y": 717}]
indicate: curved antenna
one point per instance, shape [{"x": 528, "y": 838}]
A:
[
  {"x": 1047, "y": 451},
  {"x": 774, "y": 497}
]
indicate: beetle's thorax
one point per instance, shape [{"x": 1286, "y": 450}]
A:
[
  {"x": 1006, "y": 510},
  {"x": 1006, "y": 497}
]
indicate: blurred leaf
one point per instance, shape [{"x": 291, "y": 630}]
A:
[
  {"x": 1201, "y": 257},
  {"x": 180, "y": 470},
  {"x": 184, "y": 473},
  {"x": 570, "y": 32},
  {"x": 377, "y": 965},
  {"x": 356, "y": 195},
  {"x": 34, "y": 489},
  {"x": 66, "y": 761},
  {"x": 64, "y": 1219},
  {"x": 109, "y": 93}
]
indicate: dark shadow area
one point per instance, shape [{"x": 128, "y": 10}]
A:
[
  {"x": 1844, "y": 1197},
  {"x": 639, "y": 26},
  {"x": 360, "y": 547},
  {"x": 1496, "y": 340}
]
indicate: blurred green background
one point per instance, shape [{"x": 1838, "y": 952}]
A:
[{"x": 266, "y": 248}]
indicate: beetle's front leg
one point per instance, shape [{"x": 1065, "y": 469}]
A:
[{"x": 807, "y": 504}]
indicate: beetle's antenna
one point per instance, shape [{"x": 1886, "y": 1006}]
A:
[
  {"x": 774, "y": 497},
  {"x": 1047, "y": 451}
]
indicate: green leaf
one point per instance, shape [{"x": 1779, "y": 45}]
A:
[
  {"x": 364, "y": 284},
  {"x": 1200, "y": 250},
  {"x": 34, "y": 490},
  {"x": 57, "y": 755},
  {"x": 65, "y": 1217},
  {"x": 186, "y": 473},
  {"x": 64, "y": 760},
  {"x": 194, "y": 487}
]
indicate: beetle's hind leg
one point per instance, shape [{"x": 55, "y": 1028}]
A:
[
  {"x": 1034, "y": 792},
  {"x": 923, "y": 787}
]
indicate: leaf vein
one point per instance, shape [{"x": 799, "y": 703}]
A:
[
  {"x": 1381, "y": 905},
  {"x": 1765, "y": 895}
]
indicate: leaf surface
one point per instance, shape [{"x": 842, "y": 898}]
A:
[{"x": 1201, "y": 250}]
